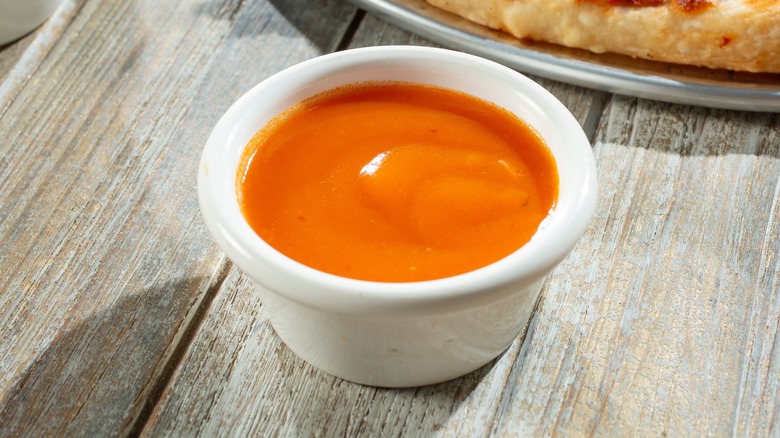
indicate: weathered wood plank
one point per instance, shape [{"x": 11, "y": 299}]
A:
[
  {"x": 664, "y": 321},
  {"x": 20, "y": 59},
  {"x": 105, "y": 265},
  {"x": 239, "y": 378}
]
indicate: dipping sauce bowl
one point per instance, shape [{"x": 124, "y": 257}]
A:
[{"x": 398, "y": 334}]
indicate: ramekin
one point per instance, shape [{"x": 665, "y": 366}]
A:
[{"x": 398, "y": 334}]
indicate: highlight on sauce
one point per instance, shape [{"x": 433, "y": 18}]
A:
[{"x": 396, "y": 182}]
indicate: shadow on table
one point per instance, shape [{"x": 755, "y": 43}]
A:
[
  {"x": 104, "y": 375},
  {"x": 318, "y": 20},
  {"x": 321, "y": 22},
  {"x": 335, "y": 407},
  {"x": 95, "y": 376}
]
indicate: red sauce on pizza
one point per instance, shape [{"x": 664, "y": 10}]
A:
[{"x": 683, "y": 5}]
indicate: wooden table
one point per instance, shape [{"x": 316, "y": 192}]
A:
[{"x": 120, "y": 316}]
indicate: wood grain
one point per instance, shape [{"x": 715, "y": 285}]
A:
[
  {"x": 105, "y": 264},
  {"x": 675, "y": 285},
  {"x": 19, "y": 60},
  {"x": 119, "y": 316}
]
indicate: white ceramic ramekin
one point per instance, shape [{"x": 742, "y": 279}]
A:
[
  {"x": 398, "y": 334},
  {"x": 19, "y": 17}
]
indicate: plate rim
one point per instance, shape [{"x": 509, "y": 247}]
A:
[{"x": 679, "y": 89}]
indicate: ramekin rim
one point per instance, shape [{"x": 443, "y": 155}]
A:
[{"x": 277, "y": 272}]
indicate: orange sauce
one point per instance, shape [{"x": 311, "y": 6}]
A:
[{"x": 396, "y": 182}]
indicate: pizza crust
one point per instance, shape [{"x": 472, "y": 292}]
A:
[{"x": 730, "y": 34}]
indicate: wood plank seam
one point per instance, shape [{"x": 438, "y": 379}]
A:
[
  {"x": 352, "y": 28},
  {"x": 173, "y": 363},
  {"x": 595, "y": 113}
]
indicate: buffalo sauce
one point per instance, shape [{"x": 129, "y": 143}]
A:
[{"x": 396, "y": 182}]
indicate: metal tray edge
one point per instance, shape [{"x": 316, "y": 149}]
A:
[{"x": 573, "y": 71}]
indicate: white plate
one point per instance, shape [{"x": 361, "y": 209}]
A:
[{"x": 607, "y": 72}]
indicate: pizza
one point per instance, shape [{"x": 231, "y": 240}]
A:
[{"x": 725, "y": 34}]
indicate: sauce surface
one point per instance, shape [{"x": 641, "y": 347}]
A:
[{"x": 396, "y": 182}]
